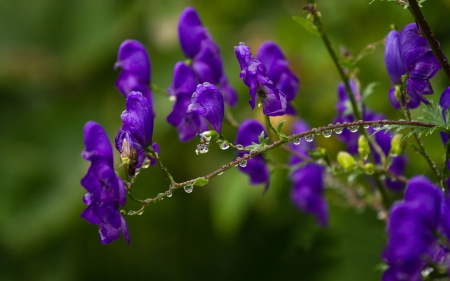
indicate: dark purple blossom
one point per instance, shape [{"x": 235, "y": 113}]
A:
[
  {"x": 256, "y": 168},
  {"x": 277, "y": 69},
  {"x": 411, "y": 227},
  {"x": 253, "y": 73},
  {"x": 408, "y": 53},
  {"x": 198, "y": 46},
  {"x": 208, "y": 102},
  {"x": 307, "y": 191},
  {"x": 105, "y": 190},
  {"x": 135, "y": 63},
  {"x": 136, "y": 132},
  {"x": 444, "y": 102},
  {"x": 184, "y": 85}
]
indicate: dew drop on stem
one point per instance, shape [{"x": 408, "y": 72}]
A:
[
  {"x": 188, "y": 188},
  {"x": 309, "y": 138}
]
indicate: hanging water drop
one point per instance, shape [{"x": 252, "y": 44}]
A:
[
  {"x": 160, "y": 196},
  {"x": 239, "y": 146},
  {"x": 366, "y": 126},
  {"x": 296, "y": 141},
  {"x": 309, "y": 138},
  {"x": 353, "y": 128},
  {"x": 224, "y": 145},
  {"x": 169, "y": 194},
  {"x": 188, "y": 188},
  {"x": 243, "y": 163},
  {"x": 338, "y": 131},
  {"x": 327, "y": 133},
  {"x": 146, "y": 163},
  {"x": 376, "y": 126}
]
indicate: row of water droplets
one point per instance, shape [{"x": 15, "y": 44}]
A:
[{"x": 328, "y": 132}]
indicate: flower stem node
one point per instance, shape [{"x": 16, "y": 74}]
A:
[
  {"x": 397, "y": 145},
  {"x": 363, "y": 147},
  {"x": 346, "y": 161}
]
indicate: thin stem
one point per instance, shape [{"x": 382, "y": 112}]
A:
[
  {"x": 270, "y": 125},
  {"x": 152, "y": 153},
  {"x": 426, "y": 30},
  {"x": 158, "y": 90}
]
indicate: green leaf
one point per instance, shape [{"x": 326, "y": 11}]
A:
[
  {"x": 368, "y": 90},
  {"x": 280, "y": 125},
  {"x": 308, "y": 25},
  {"x": 200, "y": 181},
  {"x": 283, "y": 137}
]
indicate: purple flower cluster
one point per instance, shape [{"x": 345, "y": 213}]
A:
[
  {"x": 105, "y": 190},
  {"x": 307, "y": 192},
  {"x": 398, "y": 163},
  {"x": 253, "y": 73},
  {"x": 205, "y": 66},
  {"x": 136, "y": 132},
  {"x": 135, "y": 64},
  {"x": 412, "y": 225},
  {"x": 256, "y": 167},
  {"x": 408, "y": 53}
]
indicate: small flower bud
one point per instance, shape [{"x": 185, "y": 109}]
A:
[
  {"x": 346, "y": 161},
  {"x": 318, "y": 153},
  {"x": 363, "y": 147},
  {"x": 397, "y": 145}
]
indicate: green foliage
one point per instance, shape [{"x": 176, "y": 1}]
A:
[
  {"x": 200, "y": 181},
  {"x": 308, "y": 24}
]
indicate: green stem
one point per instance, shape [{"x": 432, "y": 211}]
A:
[
  {"x": 270, "y": 125},
  {"x": 432, "y": 41}
]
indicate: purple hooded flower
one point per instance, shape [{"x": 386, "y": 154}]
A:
[
  {"x": 105, "y": 190},
  {"x": 136, "y": 132},
  {"x": 411, "y": 227},
  {"x": 184, "y": 85},
  {"x": 307, "y": 192},
  {"x": 444, "y": 102},
  {"x": 208, "y": 102},
  {"x": 253, "y": 73},
  {"x": 135, "y": 64},
  {"x": 277, "y": 68},
  {"x": 256, "y": 169},
  {"x": 408, "y": 53},
  {"x": 198, "y": 46}
]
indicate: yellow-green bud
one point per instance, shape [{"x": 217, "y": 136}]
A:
[
  {"x": 346, "y": 161},
  {"x": 369, "y": 168},
  {"x": 363, "y": 147},
  {"x": 397, "y": 145},
  {"x": 318, "y": 153}
]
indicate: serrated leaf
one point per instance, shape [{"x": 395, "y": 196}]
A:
[
  {"x": 200, "y": 181},
  {"x": 308, "y": 25},
  {"x": 280, "y": 125}
]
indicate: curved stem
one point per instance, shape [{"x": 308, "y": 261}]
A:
[{"x": 426, "y": 30}]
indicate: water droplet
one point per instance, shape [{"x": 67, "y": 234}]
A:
[
  {"x": 366, "y": 126},
  {"x": 224, "y": 145},
  {"x": 202, "y": 148},
  {"x": 259, "y": 104},
  {"x": 146, "y": 163},
  {"x": 193, "y": 96},
  {"x": 427, "y": 271},
  {"x": 338, "y": 131},
  {"x": 140, "y": 212},
  {"x": 220, "y": 173},
  {"x": 327, "y": 133},
  {"x": 169, "y": 194},
  {"x": 309, "y": 138},
  {"x": 188, "y": 188},
  {"x": 381, "y": 215},
  {"x": 376, "y": 126},
  {"x": 317, "y": 132},
  {"x": 172, "y": 98},
  {"x": 239, "y": 146},
  {"x": 205, "y": 83},
  {"x": 160, "y": 196},
  {"x": 296, "y": 141},
  {"x": 243, "y": 163},
  {"x": 353, "y": 128},
  {"x": 241, "y": 43}
]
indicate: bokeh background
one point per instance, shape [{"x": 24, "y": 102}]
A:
[{"x": 56, "y": 73}]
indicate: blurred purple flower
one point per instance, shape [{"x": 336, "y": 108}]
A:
[
  {"x": 105, "y": 190},
  {"x": 256, "y": 167},
  {"x": 253, "y": 73},
  {"x": 444, "y": 102},
  {"x": 136, "y": 132},
  {"x": 208, "y": 102},
  {"x": 408, "y": 53},
  {"x": 411, "y": 227},
  {"x": 135, "y": 63},
  {"x": 198, "y": 46},
  {"x": 277, "y": 69},
  {"x": 184, "y": 85},
  {"x": 307, "y": 192}
]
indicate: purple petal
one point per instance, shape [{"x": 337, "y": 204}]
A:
[
  {"x": 392, "y": 58},
  {"x": 207, "y": 64},
  {"x": 208, "y": 102},
  {"x": 96, "y": 142},
  {"x": 229, "y": 93},
  {"x": 184, "y": 80},
  {"x": 191, "y": 32}
]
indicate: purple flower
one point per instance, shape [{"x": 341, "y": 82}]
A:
[
  {"x": 256, "y": 168},
  {"x": 136, "y": 132},
  {"x": 307, "y": 192},
  {"x": 408, "y": 53},
  {"x": 105, "y": 190},
  {"x": 253, "y": 73},
  {"x": 277, "y": 68},
  {"x": 444, "y": 102},
  {"x": 184, "y": 85},
  {"x": 208, "y": 102},
  {"x": 135, "y": 64},
  {"x": 198, "y": 46},
  {"x": 411, "y": 228}
]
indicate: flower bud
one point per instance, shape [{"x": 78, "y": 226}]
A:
[
  {"x": 346, "y": 161},
  {"x": 363, "y": 147},
  {"x": 397, "y": 145},
  {"x": 318, "y": 153}
]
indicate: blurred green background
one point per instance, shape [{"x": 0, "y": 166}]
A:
[{"x": 56, "y": 73}]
